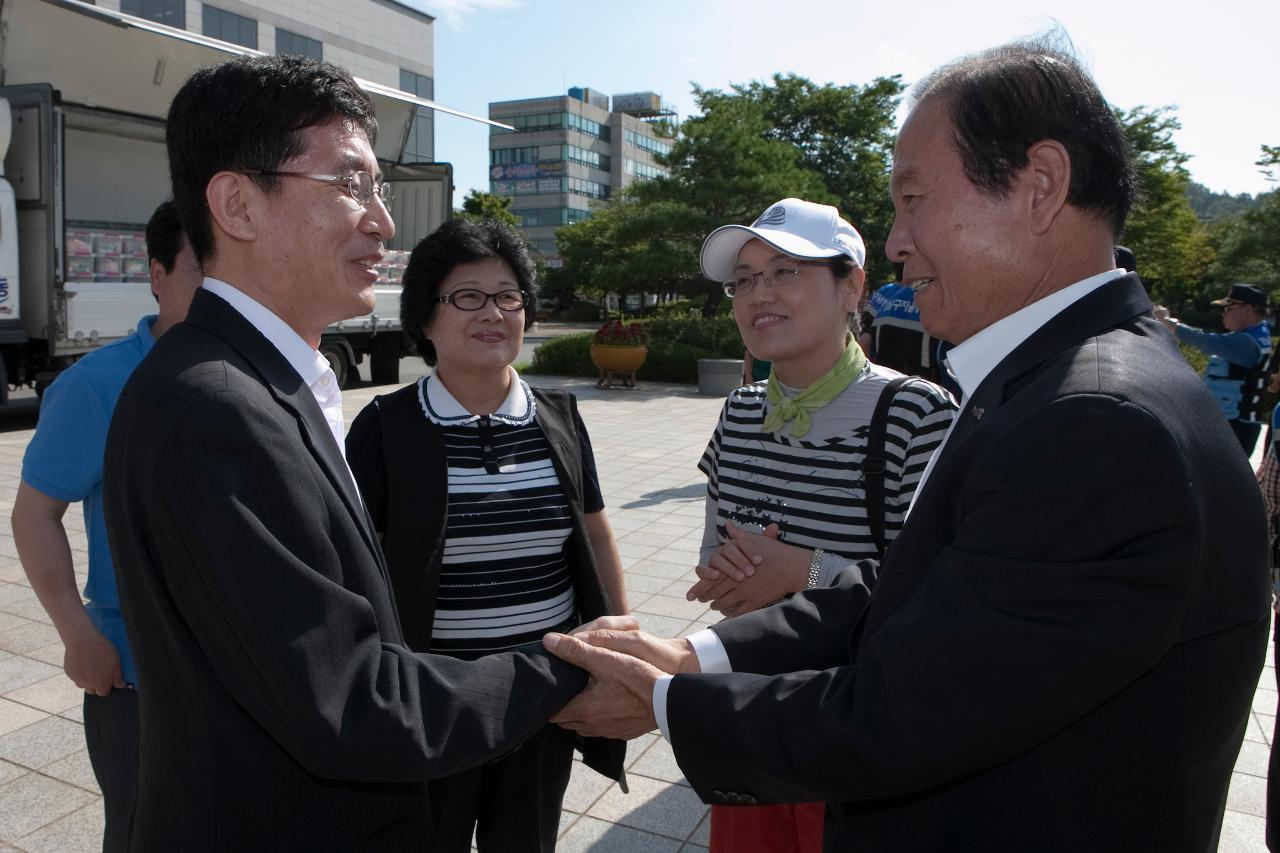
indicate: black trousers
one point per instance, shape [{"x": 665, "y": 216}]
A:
[
  {"x": 111, "y": 733},
  {"x": 512, "y": 804},
  {"x": 1247, "y": 434}
]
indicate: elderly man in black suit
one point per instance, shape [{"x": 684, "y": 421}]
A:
[
  {"x": 283, "y": 710},
  {"x": 1059, "y": 650}
]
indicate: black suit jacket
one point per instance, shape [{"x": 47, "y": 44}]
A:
[
  {"x": 280, "y": 708},
  {"x": 1060, "y": 649}
]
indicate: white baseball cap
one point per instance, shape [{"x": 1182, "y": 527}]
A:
[{"x": 794, "y": 227}]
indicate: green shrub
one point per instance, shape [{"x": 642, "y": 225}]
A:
[
  {"x": 672, "y": 362},
  {"x": 717, "y": 336},
  {"x": 566, "y": 356}
]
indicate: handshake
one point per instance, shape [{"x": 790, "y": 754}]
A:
[{"x": 624, "y": 663}]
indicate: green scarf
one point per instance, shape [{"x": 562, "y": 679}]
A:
[{"x": 783, "y": 408}]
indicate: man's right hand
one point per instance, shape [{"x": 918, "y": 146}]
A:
[{"x": 91, "y": 661}]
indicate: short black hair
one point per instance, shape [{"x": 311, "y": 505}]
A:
[
  {"x": 459, "y": 241},
  {"x": 164, "y": 235},
  {"x": 248, "y": 113},
  {"x": 1005, "y": 99}
]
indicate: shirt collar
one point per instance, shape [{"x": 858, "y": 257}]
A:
[
  {"x": 146, "y": 335},
  {"x": 308, "y": 363},
  {"x": 971, "y": 361},
  {"x": 441, "y": 407}
]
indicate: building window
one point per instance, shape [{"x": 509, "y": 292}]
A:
[
  {"x": 644, "y": 171},
  {"x": 550, "y": 216},
  {"x": 549, "y": 121},
  {"x": 231, "y": 27},
  {"x": 421, "y": 145},
  {"x": 594, "y": 159},
  {"x": 170, "y": 12},
  {"x": 292, "y": 44},
  {"x": 590, "y": 189},
  {"x": 646, "y": 143}
]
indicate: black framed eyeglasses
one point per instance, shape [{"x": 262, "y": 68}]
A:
[
  {"x": 781, "y": 274},
  {"x": 361, "y": 186},
  {"x": 469, "y": 299}
]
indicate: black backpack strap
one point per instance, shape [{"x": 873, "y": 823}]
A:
[{"x": 875, "y": 463}]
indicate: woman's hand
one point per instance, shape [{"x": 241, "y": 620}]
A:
[{"x": 776, "y": 569}]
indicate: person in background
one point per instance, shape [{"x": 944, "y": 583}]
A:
[
  {"x": 799, "y": 458},
  {"x": 485, "y": 495},
  {"x": 897, "y": 337},
  {"x": 63, "y": 465},
  {"x": 1237, "y": 357}
]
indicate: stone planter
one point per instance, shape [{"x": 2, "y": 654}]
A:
[
  {"x": 617, "y": 364},
  {"x": 718, "y": 376}
]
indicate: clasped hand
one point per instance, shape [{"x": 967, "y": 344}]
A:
[
  {"x": 750, "y": 571},
  {"x": 624, "y": 663}
]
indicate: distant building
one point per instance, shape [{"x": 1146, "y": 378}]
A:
[
  {"x": 382, "y": 41},
  {"x": 568, "y": 152}
]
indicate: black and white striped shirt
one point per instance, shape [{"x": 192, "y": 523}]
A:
[
  {"x": 504, "y": 579},
  {"x": 812, "y": 487}
]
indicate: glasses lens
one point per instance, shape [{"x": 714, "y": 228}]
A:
[
  {"x": 360, "y": 185},
  {"x": 510, "y": 300},
  {"x": 730, "y": 288},
  {"x": 386, "y": 192},
  {"x": 468, "y": 300}
]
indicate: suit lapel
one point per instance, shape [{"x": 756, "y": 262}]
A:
[
  {"x": 214, "y": 315},
  {"x": 1108, "y": 306}
]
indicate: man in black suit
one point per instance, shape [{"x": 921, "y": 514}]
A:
[
  {"x": 1060, "y": 649},
  {"x": 282, "y": 710}
]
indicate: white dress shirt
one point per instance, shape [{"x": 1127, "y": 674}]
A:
[
  {"x": 309, "y": 363},
  {"x": 971, "y": 362}
]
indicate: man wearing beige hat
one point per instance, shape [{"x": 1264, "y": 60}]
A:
[{"x": 1235, "y": 373}]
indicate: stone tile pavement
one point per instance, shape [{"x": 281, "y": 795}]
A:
[{"x": 647, "y": 443}]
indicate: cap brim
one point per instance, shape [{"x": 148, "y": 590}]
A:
[
  {"x": 1227, "y": 301},
  {"x": 719, "y": 256}
]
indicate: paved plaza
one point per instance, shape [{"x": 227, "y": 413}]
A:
[{"x": 647, "y": 443}]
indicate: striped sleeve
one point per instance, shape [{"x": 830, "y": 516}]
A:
[
  {"x": 918, "y": 421},
  {"x": 707, "y": 464}
]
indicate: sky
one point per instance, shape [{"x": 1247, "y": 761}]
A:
[{"x": 1217, "y": 63}]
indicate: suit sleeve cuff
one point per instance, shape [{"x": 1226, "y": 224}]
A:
[
  {"x": 660, "y": 688},
  {"x": 711, "y": 653}
]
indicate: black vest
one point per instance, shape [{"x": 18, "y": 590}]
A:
[{"x": 417, "y": 482}]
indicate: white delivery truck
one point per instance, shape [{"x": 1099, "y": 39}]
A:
[{"x": 83, "y": 95}]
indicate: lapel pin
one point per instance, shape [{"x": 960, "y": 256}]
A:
[{"x": 977, "y": 412}]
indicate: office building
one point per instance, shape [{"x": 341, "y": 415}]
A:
[
  {"x": 382, "y": 41},
  {"x": 570, "y": 153}
]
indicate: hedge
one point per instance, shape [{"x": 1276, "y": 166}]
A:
[{"x": 675, "y": 345}]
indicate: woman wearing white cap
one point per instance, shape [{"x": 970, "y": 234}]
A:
[{"x": 802, "y": 478}]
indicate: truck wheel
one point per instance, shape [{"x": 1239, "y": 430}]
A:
[
  {"x": 336, "y": 355},
  {"x": 384, "y": 358}
]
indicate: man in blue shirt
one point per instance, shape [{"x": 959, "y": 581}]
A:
[
  {"x": 63, "y": 465},
  {"x": 1236, "y": 358},
  {"x": 897, "y": 337}
]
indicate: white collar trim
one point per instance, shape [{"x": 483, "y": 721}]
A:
[
  {"x": 441, "y": 407},
  {"x": 971, "y": 361}
]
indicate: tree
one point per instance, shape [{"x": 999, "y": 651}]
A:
[
  {"x": 479, "y": 206},
  {"x": 745, "y": 149},
  {"x": 845, "y": 134},
  {"x": 1171, "y": 244}
]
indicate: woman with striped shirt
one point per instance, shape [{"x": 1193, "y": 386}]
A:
[
  {"x": 789, "y": 486},
  {"x": 485, "y": 494}
]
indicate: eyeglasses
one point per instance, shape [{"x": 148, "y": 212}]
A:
[
  {"x": 781, "y": 274},
  {"x": 468, "y": 299},
  {"x": 359, "y": 185}
]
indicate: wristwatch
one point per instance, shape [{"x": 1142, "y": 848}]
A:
[{"x": 815, "y": 568}]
